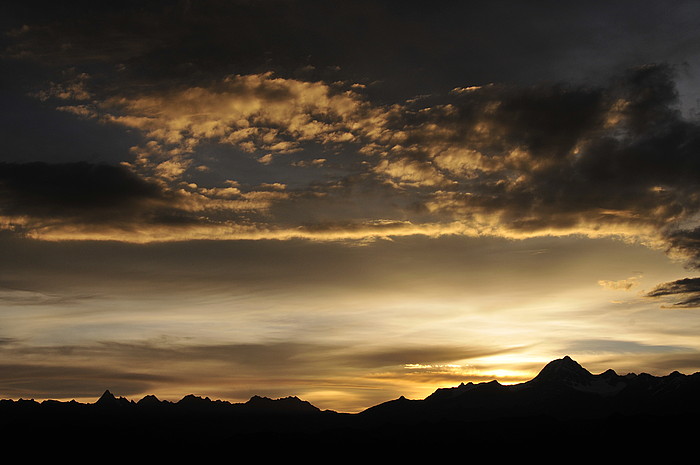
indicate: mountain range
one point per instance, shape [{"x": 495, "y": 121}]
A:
[
  {"x": 563, "y": 402},
  {"x": 564, "y": 390}
]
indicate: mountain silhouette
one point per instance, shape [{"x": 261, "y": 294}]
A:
[
  {"x": 564, "y": 370},
  {"x": 564, "y": 402},
  {"x": 108, "y": 400},
  {"x": 287, "y": 405},
  {"x": 563, "y": 389}
]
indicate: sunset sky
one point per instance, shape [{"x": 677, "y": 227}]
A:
[{"x": 344, "y": 201}]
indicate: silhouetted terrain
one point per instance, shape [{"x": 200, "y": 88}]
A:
[{"x": 566, "y": 406}]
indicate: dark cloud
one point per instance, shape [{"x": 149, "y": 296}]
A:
[
  {"x": 20, "y": 297},
  {"x": 396, "y": 45},
  {"x": 172, "y": 43},
  {"x": 686, "y": 291},
  {"x": 282, "y": 357},
  {"x": 213, "y": 365},
  {"x": 551, "y": 156},
  {"x": 72, "y": 189},
  {"x": 686, "y": 363},
  {"x": 546, "y": 120},
  {"x": 84, "y": 198},
  {"x": 686, "y": 243},
  {"x": 43, "y": 381},
  {"x": 565, "y": 156},
  {"x": 70, "y": 376}
]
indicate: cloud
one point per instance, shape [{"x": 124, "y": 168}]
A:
[
  {"x": 72, "y": 189},
  {"x": 687, "y": 290},
  {"x": 614, "y": 346},
  {"x": 619, "y": 285},
  {"x": 685, "y": 243},
  {"x": 106, "y": 202},
  {"x": 257, "y": 114},
  {"x": 415, "y": 356},
  {"x": 20, "y": 297},
  {"x": 40, "y": 381},
  {"x": 72, "y": 87},
  {"x": 612, "y": 159},
  {"x": 559, "y": 159},
  {"x": 166, "y": 365}
]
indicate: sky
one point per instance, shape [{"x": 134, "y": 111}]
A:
[{"x": 344, "y": 201}]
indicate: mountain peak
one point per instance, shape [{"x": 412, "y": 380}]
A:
[
  {"x": 107, "y": 399},
  {"x": 565, "y": 362},
  {"x": 565, "y": 370},
  {"x": 106, "y": 396}
]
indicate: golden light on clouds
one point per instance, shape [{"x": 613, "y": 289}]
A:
[
  {"x": 619, "y": 285},
  {"x": 252, "y": 112}
]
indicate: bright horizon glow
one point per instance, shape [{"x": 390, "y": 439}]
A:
[{"x": 370, "y": 340}]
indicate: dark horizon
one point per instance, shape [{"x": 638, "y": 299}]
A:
[
  {"x": 564, "y": 408},
  {"x": 555, "y": 368}
]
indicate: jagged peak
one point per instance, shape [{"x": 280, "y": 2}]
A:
[
  {"x": 108, "y": 399},
  {"x": 107, "y": 396}
]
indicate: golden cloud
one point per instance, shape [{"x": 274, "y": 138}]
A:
[{"x": 496, "y": 161}]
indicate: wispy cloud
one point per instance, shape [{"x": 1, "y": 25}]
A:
[{"x": 686, "y": 291}]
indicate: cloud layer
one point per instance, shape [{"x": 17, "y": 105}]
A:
[{"x": 501, "y": 160}]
